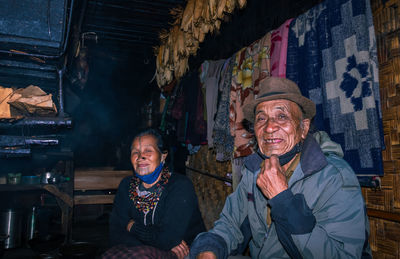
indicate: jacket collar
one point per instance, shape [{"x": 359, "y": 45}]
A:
[{"x": 312, "y": 158}]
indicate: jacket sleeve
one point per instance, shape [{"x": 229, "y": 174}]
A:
[
  {"x": 226, "y": 236},
  {"x": 180, "y": 205},
  {"x": 120, "y": 217},
  {"x": 339, "y": 230},
  {"x": 291, "y": 215}
]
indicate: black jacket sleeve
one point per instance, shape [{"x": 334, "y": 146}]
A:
[
  {"x": 120, "y": 217},
  {"x": 292, "y": 216}
]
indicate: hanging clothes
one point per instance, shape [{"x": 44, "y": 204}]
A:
[
  {"x": 178, "y": 111},
  {"x": 251, "y": 65},
  {"x": 196, "y": 129},
  {"x": 188, "y": 110},
  {"x": 279, "y": 41},
  {"x": 223, "y": 140},
  {"x": 210, "y": 84},
  {"x": 199, "y": 127},
  {"x": 332, "y": 56}
]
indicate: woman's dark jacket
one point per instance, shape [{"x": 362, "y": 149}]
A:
[{"x": 177, "y": 216}]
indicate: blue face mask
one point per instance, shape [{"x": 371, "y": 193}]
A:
[{"x": 151, "y": 178}]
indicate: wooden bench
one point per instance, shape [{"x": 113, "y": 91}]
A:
[{"x": 97, "y": 179}]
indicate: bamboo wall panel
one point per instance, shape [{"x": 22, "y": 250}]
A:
[
  {"x": 385, "y": 234},
  {"x": 211, "y": 192}
]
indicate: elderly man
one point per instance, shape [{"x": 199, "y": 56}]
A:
[{"x": 297, "y": 198}]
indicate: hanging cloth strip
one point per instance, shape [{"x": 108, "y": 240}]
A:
[
  {"x": 223, "y": 141},
  {"x": 332, "y": 56},
  {"x": 211, "y": 88},
  {"x": 279, "y": 41}
]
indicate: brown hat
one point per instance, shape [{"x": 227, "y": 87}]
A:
[{"x": 273, "y": 88}]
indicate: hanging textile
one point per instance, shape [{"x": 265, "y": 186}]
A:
[
  {"x": 332, "y": 55},
  {"x": 197, "y": 124},
  {"x": 210, "y": 84},
  {"x": 251, "y": 65},
  {"x": 188, "y": 111},
  {"x": 279, "y": 41},
  {"x": 223, "y": 140}
]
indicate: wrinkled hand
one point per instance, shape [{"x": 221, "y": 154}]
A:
[
  {"x": 130, "y": 224},
  {"x": 181, "y": 250},
  {"x": 206, "y": 255},
  {"x": 271, "y": 180}
]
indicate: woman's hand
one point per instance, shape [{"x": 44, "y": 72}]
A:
[
  {"x": 130, "y": 224},
  {"x": 181, "y": 250}
]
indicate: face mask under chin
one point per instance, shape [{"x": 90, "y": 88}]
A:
[
  {"x": 152, "y": 177},
  {"x": 284, "y": 158}
]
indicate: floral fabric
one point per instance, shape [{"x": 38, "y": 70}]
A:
[{"x": 251, "y": 65}]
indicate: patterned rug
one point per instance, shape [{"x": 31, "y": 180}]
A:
[{"x": 332, "y": 56}]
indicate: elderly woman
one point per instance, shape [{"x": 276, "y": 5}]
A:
[{"x": 155, "y": 213}]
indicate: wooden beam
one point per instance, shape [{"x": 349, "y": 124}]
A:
[
  {"x": 86, "y": 180},
  {"x": 93, "y": 199},
  {"x": 390, "y": 216},
  {"x": 59, "y": 194}
]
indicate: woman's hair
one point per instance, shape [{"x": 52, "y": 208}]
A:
[{"x": 161, "y": 144}]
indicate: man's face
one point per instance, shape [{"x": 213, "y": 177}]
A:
[{"x": 278, "y": 126}]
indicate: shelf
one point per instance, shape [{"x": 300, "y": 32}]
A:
[
  {"x": 38, "y": 121},
  {"x": 20, "y": 187},
  {"x": 27, "y": 187}
]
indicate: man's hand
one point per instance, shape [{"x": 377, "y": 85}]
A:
[
  {"x": 181, "y": 250},
  {"x": 271, "y": 180},
  {"x": 130, "y": 224},
  {"x": 206, "y": 255}
]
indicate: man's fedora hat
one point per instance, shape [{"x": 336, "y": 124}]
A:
[{"x": 274, "y": 88}]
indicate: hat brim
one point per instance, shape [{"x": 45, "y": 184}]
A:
[{"x": 306, "y": 105}]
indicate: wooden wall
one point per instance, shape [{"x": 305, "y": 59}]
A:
[{"x": 384, "y": 204}]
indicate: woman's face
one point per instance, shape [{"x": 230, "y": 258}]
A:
[{"x": 145, "y": 156}]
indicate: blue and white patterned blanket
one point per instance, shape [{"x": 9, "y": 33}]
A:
[{"x": 332, "y": 56}]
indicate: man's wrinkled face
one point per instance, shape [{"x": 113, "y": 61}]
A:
[{"x": 279, "y": 126}]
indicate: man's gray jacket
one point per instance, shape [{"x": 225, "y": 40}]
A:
[{"x": 321, "y": 214}]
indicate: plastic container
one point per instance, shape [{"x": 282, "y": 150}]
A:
[
  {"x": 14, "y": 178},
  {"x": 30, "y": 179}
]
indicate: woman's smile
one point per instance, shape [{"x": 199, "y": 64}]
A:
[{"x": 145, "y": 156}]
